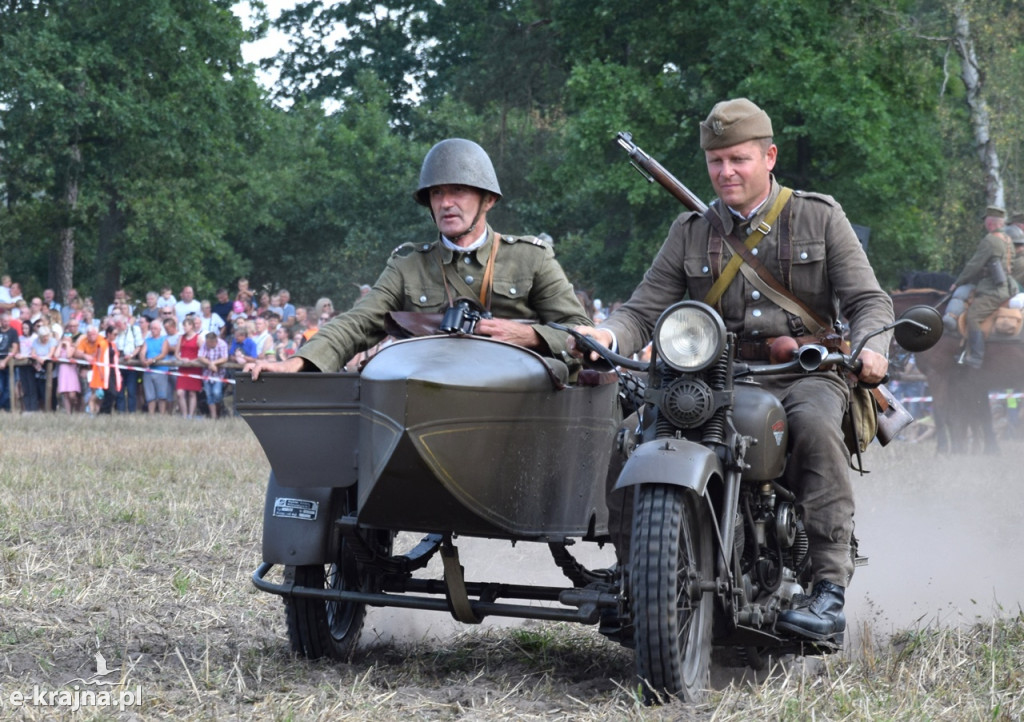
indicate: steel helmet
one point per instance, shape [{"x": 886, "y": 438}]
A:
[{"x": 456, "y": 161}]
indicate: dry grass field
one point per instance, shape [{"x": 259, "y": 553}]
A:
[{"x": 134, "y": 539}]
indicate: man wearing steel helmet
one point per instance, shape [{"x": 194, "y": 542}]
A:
[
  {"x": 813, "y": 248},
  {"x": 458, "y": 184}
]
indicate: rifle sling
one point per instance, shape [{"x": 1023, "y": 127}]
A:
[{"x": 733, "y": 266}]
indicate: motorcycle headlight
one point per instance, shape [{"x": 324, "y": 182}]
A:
[{"x": 689, "y": 336}]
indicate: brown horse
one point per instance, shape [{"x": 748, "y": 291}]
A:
[{"x": 959, "y": 393}]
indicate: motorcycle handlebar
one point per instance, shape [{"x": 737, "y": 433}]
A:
[
  {"x": 609, "y": 359},
  {"x": 810, "y": 357}
]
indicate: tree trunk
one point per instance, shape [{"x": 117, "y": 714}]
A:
[
  {"x": 66, "y": 243},
  {"x": 108, "y": 269},
  {"x": 972, "y": 77}
]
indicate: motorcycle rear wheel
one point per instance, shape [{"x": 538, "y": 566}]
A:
[{"x": 671, "y": 557}]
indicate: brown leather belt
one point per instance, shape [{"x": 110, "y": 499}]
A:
[{"x": 752, "y": 350}]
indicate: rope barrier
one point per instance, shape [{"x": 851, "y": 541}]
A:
[
  {"x": 928, "y": 399},
  {"x": 140, "y": 369}
]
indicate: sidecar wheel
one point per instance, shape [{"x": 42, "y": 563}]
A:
[
  {"x": 319, "y": 628},
  {"x": 671, "y": 558}
]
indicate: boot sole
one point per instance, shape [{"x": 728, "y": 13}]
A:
[{"x": 834, "y": 637}]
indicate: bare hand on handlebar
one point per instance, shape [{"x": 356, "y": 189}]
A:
[
  {"x": 600, "y": 336},
  {"x": 873, "y": 367}
]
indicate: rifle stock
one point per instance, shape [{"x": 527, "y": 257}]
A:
[{"x": 652, "y": 170}]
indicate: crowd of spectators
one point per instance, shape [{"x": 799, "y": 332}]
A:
[{"x": 163, "y": 355}]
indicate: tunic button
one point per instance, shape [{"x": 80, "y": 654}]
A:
[
  {"x": 755, "y": 295},
  {"x": 469, "y": 279},
  {"x": 705, "y": 269},
  {"x": 512, "y": 291},
  {"x": 466, "y": 259},
  {"x": 423, "y": 299},
  {"x": 803, "y": 256},
  {"x": 754, "y": 251},
  {"x": 756, "y": 313}
]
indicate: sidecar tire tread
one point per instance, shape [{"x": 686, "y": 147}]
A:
[{"x": 309, "y": 629}]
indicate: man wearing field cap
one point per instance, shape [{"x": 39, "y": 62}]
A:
[
  {"x": 813, "y": 251},
  {"x": 989, "y": 271}
]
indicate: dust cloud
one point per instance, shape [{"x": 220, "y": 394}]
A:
[{"x": 943, "y": 536}]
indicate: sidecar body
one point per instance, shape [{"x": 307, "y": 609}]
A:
[{"x": 442, "y": 434}]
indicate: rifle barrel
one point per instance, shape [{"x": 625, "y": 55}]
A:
[{"x": 655, "y": 171}]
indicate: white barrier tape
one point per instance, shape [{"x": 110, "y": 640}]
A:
[
  {"x": 928, "y": 399},
  {"x": 140, "y": 369}
]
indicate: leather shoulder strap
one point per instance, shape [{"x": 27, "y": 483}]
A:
[
  {"x": 488, "y": 280},
  {"x": 732, "y": 267}
]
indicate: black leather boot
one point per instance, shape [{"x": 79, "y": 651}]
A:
[
  {"x": 975, "y": 349},
  {"x": 819, "y": 617}
]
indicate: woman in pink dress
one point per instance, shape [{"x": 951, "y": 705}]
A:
[
  {"x": 188, "y": 385},
  {"x": 68, "y": 384}
]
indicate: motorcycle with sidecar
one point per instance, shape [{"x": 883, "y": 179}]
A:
[{"x": 456, "y": 435}]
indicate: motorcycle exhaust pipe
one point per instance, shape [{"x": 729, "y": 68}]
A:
[{"x": 810, "y": 356}]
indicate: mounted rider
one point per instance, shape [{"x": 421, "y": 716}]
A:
[{"x": 989, "y": 270}]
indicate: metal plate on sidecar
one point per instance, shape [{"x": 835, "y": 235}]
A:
[{"x": 307, "y": 424}]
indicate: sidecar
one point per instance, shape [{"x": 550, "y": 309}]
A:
[{"x": 445, "y": 436}]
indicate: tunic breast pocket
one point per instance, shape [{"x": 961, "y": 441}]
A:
[
  {"x": 513, "y": 288},
  {"x": 809, "y": 272},
  {"x": 698, "y": 276},
  {"x": 424, "y": 299}
]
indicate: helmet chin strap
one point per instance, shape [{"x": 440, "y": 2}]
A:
[{"x": 472, "y": 226}]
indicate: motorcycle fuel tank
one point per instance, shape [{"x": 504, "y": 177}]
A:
[{"x": 758, "y": 414}]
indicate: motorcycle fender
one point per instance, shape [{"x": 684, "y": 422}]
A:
[
  {"x": 298, "y": 523},
  {"x": 677, "y": 462}
]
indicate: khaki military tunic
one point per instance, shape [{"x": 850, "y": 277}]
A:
[
  {"x": 830, "y": 273},
  {"x": 988, "y": 295},
  {"x": 528, "y": 284}
]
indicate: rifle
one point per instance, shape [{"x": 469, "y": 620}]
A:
[{"x": 652, "y": 170}]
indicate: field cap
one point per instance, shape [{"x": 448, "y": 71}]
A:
[
  {"x": 1017, "y": 217},
  {"x": 732, "y": 122},
  {"x": 995, "y": 212}
]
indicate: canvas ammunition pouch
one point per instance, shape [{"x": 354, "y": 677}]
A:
[{"x": 860, "y": 425}]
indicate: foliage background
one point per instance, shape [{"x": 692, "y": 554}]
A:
[{"x": 134, "y": 130}]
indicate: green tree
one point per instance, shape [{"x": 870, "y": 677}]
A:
[
  {"x": 335, "y": 199},
  {"x": 125, "y": 128}
]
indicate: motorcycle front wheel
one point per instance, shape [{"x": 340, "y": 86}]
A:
[{"x": 671, "y": 558}]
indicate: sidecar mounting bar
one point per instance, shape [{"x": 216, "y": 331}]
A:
[{"x": 588, "y": 601}]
